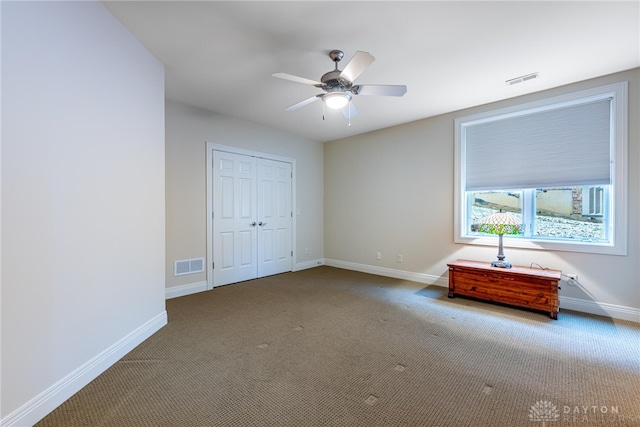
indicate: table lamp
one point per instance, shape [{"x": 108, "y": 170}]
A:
[{"x": 500, "y": 223}]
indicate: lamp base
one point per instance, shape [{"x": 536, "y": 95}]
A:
[{"x": 501, "y": 263}]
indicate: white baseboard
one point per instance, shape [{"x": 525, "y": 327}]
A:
[
  {"x": 194, "y": 288},
  {"x": 41, "y": 405},
  {"x": 183, "y": 290},
  {"x": 308, "y": 264},
  {"x": 428, "y": 279},
  {"x": 567, "y": 303},
  {"x": 600, "y": 308}
]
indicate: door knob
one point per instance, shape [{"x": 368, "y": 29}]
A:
[
  {"x": 262, "y": 224},
  {"x": 253, "y": 224}
]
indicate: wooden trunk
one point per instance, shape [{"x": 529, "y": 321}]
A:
[{"x": 532, "y": 288}]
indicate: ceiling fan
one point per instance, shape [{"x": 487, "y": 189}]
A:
[{"x": 338, "y": 85}]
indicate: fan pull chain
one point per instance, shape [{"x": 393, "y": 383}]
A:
[
  {"x": 349, "y": 113},
  {"x": 323, "y": 110}
]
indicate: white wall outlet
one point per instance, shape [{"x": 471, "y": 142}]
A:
[
  {"x": 400, "y": 258},
  {"x": 306, "y": 251},
  {"x": 378, "y": 255}
]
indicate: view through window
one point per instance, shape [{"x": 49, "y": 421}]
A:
[{"x": 563, "y": 213}]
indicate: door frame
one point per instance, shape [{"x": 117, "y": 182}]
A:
[{"x": 210, "y": 147}]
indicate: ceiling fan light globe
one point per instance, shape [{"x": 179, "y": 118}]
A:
[{"x": 336, "y": 101}]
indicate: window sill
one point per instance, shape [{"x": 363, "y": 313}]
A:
[{"x": 546, "y": 245}]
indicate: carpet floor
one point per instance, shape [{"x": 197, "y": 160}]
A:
[{"x": 331, "y": 347}]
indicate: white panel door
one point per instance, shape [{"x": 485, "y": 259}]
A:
[
  {"x": 234, "y": 214},
  {"x": 252, "y": 217},
  {"x": 274, "y": 217}
]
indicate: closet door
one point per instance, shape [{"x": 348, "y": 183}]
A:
[
  {"x": 235, "y": 227},
  {"x": 275, "y": 217},
  {"x": 252, "y": 217}
]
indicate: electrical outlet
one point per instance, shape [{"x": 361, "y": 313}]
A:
[
  {"x": 378, "y": 255},
  {"x": 400, "y": 258}
]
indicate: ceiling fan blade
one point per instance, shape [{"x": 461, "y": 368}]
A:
[
  {"x": 381, "y": 90},
  {"x": 302, "y": 103},
  {"x": 357, "y": 65},
  {"x": 349, "y": 114},
  {"x": 297, "y": 79}
]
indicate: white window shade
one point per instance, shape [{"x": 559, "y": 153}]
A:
[{"x": 564, "y": 146}]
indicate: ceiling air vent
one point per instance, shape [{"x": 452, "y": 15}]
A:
[{"x": 521, "y": 79}]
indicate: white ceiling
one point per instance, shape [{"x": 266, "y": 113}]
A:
[{"x": 451, "y": 55}]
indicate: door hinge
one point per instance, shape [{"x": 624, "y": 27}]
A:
[
  {"x": 291, "y": 253},
  {"x": 213, "y": 265}
]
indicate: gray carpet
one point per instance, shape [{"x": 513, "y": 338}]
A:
[{"x": 331, "y": 347}]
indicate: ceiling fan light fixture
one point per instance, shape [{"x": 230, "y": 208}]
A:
[
  {"x": 338, "y": 85},
  {"x": 336, "y": 100}
]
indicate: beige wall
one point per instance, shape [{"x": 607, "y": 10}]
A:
[
  {"x": 82, "y": 200},
  {"x": 187, "y": 131},
  {"x": 391, "y": 191}
]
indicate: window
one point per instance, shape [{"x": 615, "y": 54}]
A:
[{"x": 559, "y": 165}]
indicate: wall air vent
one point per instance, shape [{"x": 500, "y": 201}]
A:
[
  {"x": 188, "y": 266},
  {"x": 521, "y": 79}
]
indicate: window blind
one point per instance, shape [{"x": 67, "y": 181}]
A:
[{"x": 563, "y": 146}]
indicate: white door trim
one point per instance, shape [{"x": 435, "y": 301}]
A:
[{"x": 210, "y": 147}]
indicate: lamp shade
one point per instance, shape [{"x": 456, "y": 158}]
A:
[
  {"x": 500, "y": 223},
  {"x": 336, "y": 100}
]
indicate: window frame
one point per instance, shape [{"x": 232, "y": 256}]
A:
[{"x": 617, "y": 244}]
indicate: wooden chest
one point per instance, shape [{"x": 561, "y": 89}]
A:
[{"x": 532, "y": 288}]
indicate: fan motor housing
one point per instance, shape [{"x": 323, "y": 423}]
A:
[{"x": 333, "y": 81}]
